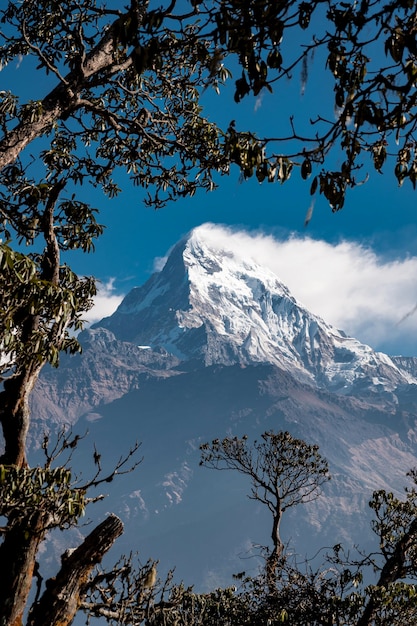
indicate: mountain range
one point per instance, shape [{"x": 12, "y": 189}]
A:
[{"x": 212, "y": 345}]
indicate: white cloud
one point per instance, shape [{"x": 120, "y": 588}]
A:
[
  {"x": 347, "y": 284},
  {"x": 105, "y": 302}
]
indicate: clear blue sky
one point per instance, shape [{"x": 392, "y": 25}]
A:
[{"x": 378, "y": 222}]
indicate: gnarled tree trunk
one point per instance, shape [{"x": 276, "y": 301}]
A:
[{"x": 64, "y": 594}]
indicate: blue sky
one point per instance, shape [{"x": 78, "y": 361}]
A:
[{"x": 356, "y": 268}]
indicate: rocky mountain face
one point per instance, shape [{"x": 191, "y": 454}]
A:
[{"x": 213, "y": 345}]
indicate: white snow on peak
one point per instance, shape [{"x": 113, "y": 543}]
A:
[{"x": 247, "y": 305}]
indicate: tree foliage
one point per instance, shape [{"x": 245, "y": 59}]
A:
[
  {"x": 129, "y": 86},
  {"x": 127, "y": 93}
]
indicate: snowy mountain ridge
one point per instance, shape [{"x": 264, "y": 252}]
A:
[{"x": 222, "y": 308}]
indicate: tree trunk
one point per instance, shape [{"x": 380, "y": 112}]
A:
[
  {"x": 64, "y": 594},
  {"x": 14, "y": 399},
  {"x": 273, "y": 559},
  {"x": 14, "y": 414},
  {"x": 275, "y": 535},
  {"x": 17, "y": 559}
]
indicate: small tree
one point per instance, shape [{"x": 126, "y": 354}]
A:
[{"x": 284, "y": 472}]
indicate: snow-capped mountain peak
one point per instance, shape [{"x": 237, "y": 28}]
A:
[{"x": 215, "y": 304}]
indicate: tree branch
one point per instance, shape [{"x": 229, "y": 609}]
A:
[{"x": 63, "y": 98}]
